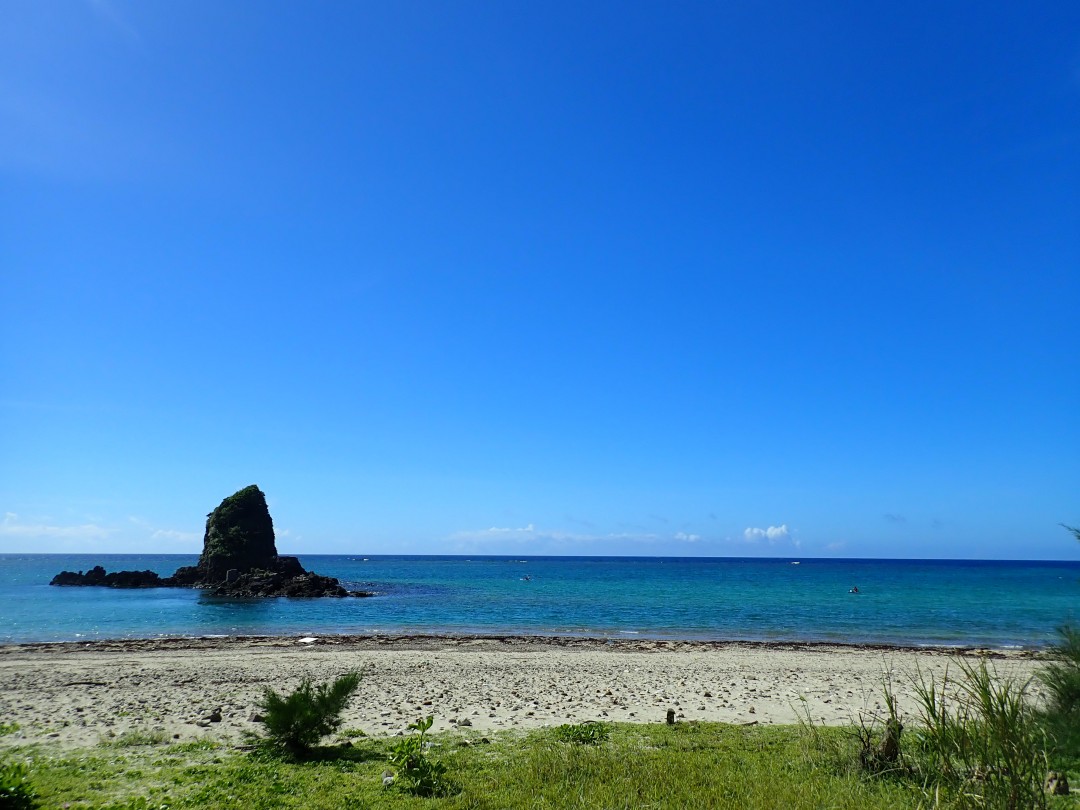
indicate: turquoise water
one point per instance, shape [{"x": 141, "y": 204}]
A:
[{"x": 900, "y": 601}]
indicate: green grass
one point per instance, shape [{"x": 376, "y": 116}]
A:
[
  {"x": 700, "y": 765},
  {"x": 686, "y": 765},
  {"x": 589, "y": 733}
]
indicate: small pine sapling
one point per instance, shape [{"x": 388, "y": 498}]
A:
[{"x": 296, "y": 722}]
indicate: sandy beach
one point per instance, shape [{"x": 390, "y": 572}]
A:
[{"x": 78, "y": 694}]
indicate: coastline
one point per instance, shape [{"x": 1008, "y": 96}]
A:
[{"x": 82, "y": 693}]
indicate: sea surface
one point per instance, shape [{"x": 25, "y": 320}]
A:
[{"x": 900, "y": 602}]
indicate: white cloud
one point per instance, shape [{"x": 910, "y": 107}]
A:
[
  {"x": 496, "y": 539},
  {"x": 156, "y": 533},
  {"x": 534, "y": 539},
  {"x": 13, "y": 527},
  {"x": 772, "y": 533},
  {"x": 173, "y": 534},
  {"x": 835, "y": 546},
  {"x": 495, "y": 531}
]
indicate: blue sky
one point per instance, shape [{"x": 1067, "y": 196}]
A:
[{"x": 776, "y": 279}]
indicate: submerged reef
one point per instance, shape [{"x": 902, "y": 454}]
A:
[{"x": 239, "y": 558}]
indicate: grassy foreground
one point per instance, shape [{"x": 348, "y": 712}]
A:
[{"x": 698, "y": 765}]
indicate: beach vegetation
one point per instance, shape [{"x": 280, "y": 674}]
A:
[
  {"x": 1061, "y": 715},
  {"x": 8, "y": 728},
  {"x": 16, "y": 790},
  {"x": 133, "y": 738},
  {"x": 879, "y": 735},
  {"x": 979, "y": 739},
  {"x": 415, "y": 771},
  {"x": 588, "y": 733},
  {"x": 688, "y": 764},
  {"x": 297, "y": 721}
]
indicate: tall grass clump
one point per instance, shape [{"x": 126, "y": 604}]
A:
[
  {"x": 879, "y": 736},
  {"x": 296, "y": 722},
  {"x": 1061, "y": 676},
  {"x": 980, "y": 740}
]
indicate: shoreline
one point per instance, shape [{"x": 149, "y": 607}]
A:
[
  {"x": 82, "y": 693},
  {"x": 421, "y": 640}
]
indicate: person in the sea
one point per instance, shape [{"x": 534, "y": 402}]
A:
[{"x": 854, "y": 589}]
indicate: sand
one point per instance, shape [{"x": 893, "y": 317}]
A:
[{"x": 78, "y": 694}]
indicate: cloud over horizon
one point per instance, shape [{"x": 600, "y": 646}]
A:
[
  {"x": 500, "y": 539},
  {"x": 772, "y": 533},
  {"x": 12, "y": 527}
]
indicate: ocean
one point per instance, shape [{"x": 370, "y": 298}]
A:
[{"x": 900, "y": 602}]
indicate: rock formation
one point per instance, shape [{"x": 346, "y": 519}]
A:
[
  {"x": 239, "y": 535},
  {"x": 239, "y": 558},
  {"x": 118, "y": 579}
]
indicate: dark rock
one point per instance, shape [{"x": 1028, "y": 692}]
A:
[
  {"x": 290, "y": 567},
  {"x": 69, "y": 578},
  {"x": 239, "y": 559},
  {"x": 885, "y": 755},
  {"x": 1057, "y": 783},
  {"x": 133, "y": 579},
  {"x": 265, "y": 583},
  {"x": 239, "y": 534},
  {"x": 185, "y": 576},
  {"x": 97, "y": 576}
]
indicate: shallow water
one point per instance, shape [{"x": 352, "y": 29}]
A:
[{"x": 917, "y": 602}]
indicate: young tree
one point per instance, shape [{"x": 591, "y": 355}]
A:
[{"x": 296, "y": 722}]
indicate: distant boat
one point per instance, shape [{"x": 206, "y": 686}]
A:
[{"x": 795, "y": 563}]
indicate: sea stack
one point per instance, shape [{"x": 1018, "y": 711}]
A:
[
  {"x": 239, "y": 537},
  {"x": 239, "y": 558}
]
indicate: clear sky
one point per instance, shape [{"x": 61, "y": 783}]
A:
[{"x": 723, "y": 278}]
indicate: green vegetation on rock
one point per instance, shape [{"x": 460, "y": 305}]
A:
[{"x": 239, "y": 535}]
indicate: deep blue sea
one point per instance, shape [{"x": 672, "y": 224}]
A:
[{"x": 901, "y": 602}]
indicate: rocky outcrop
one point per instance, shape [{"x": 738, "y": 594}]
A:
[
  {"x": 118, "y": 579},
  {"x": 263, "y": 583},
  {"x": 239, "y": 535},
  {"x": 239, "y": 558}
]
